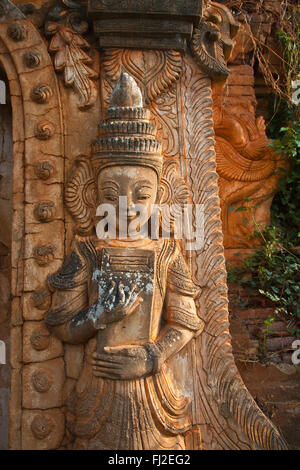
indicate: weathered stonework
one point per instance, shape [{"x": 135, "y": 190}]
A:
[
  {"x": 61, "y": 87},
  {"x": 249, "y": 170}
]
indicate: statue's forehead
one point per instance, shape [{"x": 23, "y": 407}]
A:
[{"x": 129, "y": 171}]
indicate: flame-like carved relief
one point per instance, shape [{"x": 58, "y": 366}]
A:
[
  {"x": 17, "y": 32},
  {"x": 176, "y": 195},
  {"x": 154, "y": 71},
  {"x": 175, "y": 188},
  {"x": 80, "y": 196}
]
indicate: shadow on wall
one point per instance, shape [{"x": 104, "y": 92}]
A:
[{"x": 6, "y": 161}]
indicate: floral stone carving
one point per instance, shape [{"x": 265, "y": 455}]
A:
[
  {"x": 70, "y": 52},
  {"x": 157, "y": 74}
]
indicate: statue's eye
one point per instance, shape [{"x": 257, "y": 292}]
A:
[
  {"x": 142, "y": 193},
  {"x": 143, "y": 196},
  {"x": 110, "y": 196}
]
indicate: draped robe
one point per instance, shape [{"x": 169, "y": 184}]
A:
[{"x": 152, "y": 412}]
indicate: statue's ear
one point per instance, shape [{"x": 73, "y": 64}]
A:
[
  {"x": 160, "y": 194},
  {"x": 175, "y": 194},
  {"x": 81, "y": 196},
  {"x": 174, "y": 188}
]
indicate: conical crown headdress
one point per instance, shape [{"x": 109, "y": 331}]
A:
[{"x": 126, "y": 136}]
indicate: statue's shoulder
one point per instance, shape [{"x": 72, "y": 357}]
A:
[
  {"x": 170, "y": 249},
  {"x": 166, "y": 250},
  {"x": 74, "y": 269},
  {"x": 179, "y": 275}
]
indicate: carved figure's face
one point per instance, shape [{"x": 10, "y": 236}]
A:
[{"x": 140, "y": 186}]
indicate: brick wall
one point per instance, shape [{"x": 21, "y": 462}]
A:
[{"x": 265, "y": 362}]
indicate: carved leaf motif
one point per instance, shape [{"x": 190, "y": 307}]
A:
[
  {"x": 80, "y": 196},
  {"x": 155, "y": 71},
  {"x": 164, "y": 111},
  {"x": 71, "y": 59},
  {"x": 112, "y": 63}
]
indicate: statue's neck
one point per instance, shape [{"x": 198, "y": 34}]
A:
[{"x": 126, "y": 243}]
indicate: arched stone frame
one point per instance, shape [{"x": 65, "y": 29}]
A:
[{"x": 38, "y": 240}]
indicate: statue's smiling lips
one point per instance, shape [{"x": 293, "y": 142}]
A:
[{"x": 128, "y": 217}]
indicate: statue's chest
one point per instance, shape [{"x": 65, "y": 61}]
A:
[{"x": 136, "y": 268}]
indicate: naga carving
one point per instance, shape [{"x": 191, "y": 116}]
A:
[
  {"x": 248, "y": 168},
  {"x": 212, "y": 41}
]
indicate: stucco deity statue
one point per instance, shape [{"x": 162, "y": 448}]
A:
[
  {"x": 136, "y": 297},
  {"x": 248, "y": 168},
  {"x": 147, "y": 361},
  {"x": 129, "y": 297}
]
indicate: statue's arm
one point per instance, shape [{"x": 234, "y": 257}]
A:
[
  {"x": 78, "y": 329},
  {"x": 183, "y": 324},
  {"x": 132, "y": 361},
  {"x": 128, "y": 362},
  {"x": 69, "y": 316},
  {"x": 180, "y": 314}
]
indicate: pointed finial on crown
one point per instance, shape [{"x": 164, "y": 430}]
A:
[
  {"x": 126, "y": 93},
  {"x": 126, "y": 135}
]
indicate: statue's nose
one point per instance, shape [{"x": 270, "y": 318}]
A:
[
  {"x": 130, "y": 202},
  {"x": 131, "y": 208}
]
